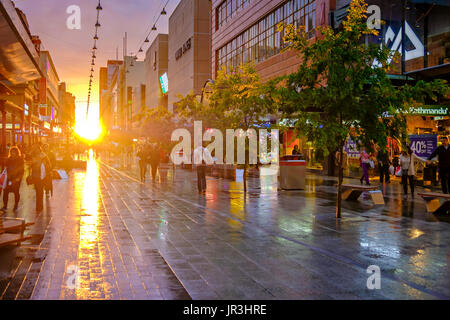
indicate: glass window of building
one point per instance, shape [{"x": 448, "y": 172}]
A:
[
  {"x": 262, "y": 40},
  {"x": 227, "y": 10}
]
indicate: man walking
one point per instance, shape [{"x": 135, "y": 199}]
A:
[
  {"x": 154, "y": 160},
  {"x": 202, "y": 157},
  {"x": 443, "y": 154},
  {"x": 383, "y": 165}
]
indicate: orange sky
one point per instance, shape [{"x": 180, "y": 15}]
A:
[{"x": 71, "y": 49}]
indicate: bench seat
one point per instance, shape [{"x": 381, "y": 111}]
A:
[
  {"x": 351, "y": 192},
  {"x": 9, "y": 225},
  {"x": 7, "y": 239},
  {"x": 433, "y": 204}
]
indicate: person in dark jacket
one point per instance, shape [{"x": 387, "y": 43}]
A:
[
  {"x": 383, "y": 165},
  {"x": 49, "y": 162},
  {"x": 154, "y": 158},
  {"x": 38, "y": 175},
  {"x": 443, "y": 154},
  {"x": 142, "y": 158},
  {"x": 14, "y": 175}
]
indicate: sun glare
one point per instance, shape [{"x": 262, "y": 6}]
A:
[{"x": 88, "y": 126}]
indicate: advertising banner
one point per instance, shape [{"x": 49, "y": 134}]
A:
[
  {"x": 351, "y": 149},
  {"x": 423, "y": 145}
]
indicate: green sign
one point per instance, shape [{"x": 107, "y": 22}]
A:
[
  {"x": 164, "y": 83},
  {"x": 429, "y": 111}
]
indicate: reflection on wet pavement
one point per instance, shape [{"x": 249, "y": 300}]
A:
[
  {"x": 162, "y": 240},
  {"x": 82, "y": 253}
]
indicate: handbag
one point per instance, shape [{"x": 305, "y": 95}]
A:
[
  {"x": 391, "y": 169},
  {"x": 399, "y": 172},
  {"x": 3, "y": 178}
]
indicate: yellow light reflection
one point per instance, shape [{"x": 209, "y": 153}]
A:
[
  {"x": 87, "y": 249},
  {"x": 237, "y": 209},
  {"x": 87, "y": 124}
]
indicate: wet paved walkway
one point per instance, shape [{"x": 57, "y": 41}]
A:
[{"x": 162, "y": 240}]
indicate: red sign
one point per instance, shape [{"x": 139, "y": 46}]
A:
[
  {"x": 43, "y": 110},
  {"x": 43, "y": 91}
]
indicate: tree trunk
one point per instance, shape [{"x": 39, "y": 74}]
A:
[
  {"x": 245, "y": 178},
  {"x": 340, "y": 178},
  {"x": 331, "y": 164}
]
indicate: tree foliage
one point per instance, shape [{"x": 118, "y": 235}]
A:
[
  {"x": 157, "y": 124},
  {"x": 342, "y": 88}
]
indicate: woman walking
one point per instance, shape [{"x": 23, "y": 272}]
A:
[
  {"x": 408, "y": 170},
  {"x": 49, "y": 162},
  {"x": 365, "y": 163},
  {"x": 14, "y": 175},
  {"x": 38, "y": 175}
]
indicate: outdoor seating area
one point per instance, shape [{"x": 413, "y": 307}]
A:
[
  {"x": 352, "y": 192},
  {"x": 437, "y": 203},
  {"x": 12, "y": 231}
]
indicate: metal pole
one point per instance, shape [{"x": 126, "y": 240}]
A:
[{"x": 403, "y": 36}]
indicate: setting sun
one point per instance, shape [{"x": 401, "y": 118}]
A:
[{"x": 88, "y": 126}]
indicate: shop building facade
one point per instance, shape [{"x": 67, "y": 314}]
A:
[
  {"x": 156, "y": 67},
  {"x": 245, "y": 32},
  {"x": 420, "y": 32},
  {"x": 189, "y": 48},
  {"x": 19, "y": 78}
]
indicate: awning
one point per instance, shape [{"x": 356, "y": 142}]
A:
[
  {"x": 439, "y": 72},
  {"x": 436, "y": 2},
  {"x": 18, "y": 56}
]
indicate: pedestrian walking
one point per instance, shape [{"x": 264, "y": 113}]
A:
[
  {"x": 443, "y": 154},
  {"x": 50, "y": 163},
  {"x": 142, "y": 159},
  {"x": 383, "y": 166},
  {"x": 408, "y": 170},
  {"x": 365, "y": 163},
  {"x": 14, "y": 175},
  {"x": 154, "y": 160},
  {"x": 202, "y": 157},
  {"x": 37, "y": 176}
]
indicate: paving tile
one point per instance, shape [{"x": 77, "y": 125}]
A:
[{"x": 275, "y": 245}]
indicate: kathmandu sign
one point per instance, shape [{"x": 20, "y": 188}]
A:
[
  {"x": 429, "y": 111},
  {"x": 424, "y": 111}
]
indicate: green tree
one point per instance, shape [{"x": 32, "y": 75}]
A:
[
  {"x": 158, "y": 124},
  {"x": 342, "y": 89},
  {"x": 236, "y": 101}
]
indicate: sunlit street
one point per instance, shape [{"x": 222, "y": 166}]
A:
[{"x": 224, "y": 150}]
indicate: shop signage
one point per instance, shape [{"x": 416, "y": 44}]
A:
[
  {"x": 43, "y": 110},
  {"x": 423, "y": 145},
  {"x": 164, "y": 83},
  {"x": 186, "y": 46},
  {"x": 424, "y": 111},
  {"x": 429, "y": 111},
  {"x": 43, "y": 90},
  {"x": 351, "y": 149}
]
